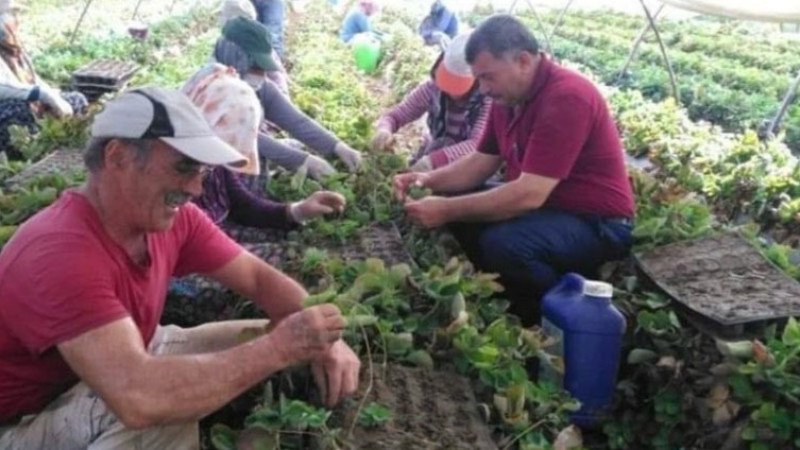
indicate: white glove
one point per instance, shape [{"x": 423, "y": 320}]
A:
[
  {"x": 317, "y": 204},
  {"x": 381, "y": 140},
  {"x": 441, "y": 39},
  {"x": 317, "y": 167},
  {"x": 350, "y": 157},
  {"x": 424, "y": 164},
  {"x": 52, "y": 98}
]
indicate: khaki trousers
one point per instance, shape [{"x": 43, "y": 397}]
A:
[{"x": 79, "y": 419}]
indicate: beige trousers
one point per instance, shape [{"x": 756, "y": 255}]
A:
[{"x": 79, "y": 419}]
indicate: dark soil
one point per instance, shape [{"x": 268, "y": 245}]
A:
[
  {"x": 723, "y": 278},
  {"x": 429, "y": 410}
]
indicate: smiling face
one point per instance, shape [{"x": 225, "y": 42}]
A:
[
  {"x": 506, "y": 79},
  {"x": 149, "y": 190}
]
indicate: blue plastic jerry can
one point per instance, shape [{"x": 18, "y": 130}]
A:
[{"x": 588, "y": 333}]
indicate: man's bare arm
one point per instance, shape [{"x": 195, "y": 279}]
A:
[{"x": 145, "y": 390}]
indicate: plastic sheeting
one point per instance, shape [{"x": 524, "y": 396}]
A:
[{"x": 761, "y": 10}]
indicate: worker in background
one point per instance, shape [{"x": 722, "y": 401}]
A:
[
  {"x": 440, "y": 24},
  {"x": 246, "y": 47},
  {"x": 231, "y": 9},
  {"x": 24, "y": 96},
  {"x": 456, "y": 110},
  {"x": 272, "y": 14},
  {"x": 358, "y": 20}
]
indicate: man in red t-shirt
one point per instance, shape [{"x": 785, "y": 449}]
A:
[
  {"x": 566, "y": 204},
  {"x": 83, "y": 361}
]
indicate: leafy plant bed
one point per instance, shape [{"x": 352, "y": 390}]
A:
[
  {"x": 405, "y": 408},
  {"x": 724, "y": 278},
  {"x": 65, "y": 161}
]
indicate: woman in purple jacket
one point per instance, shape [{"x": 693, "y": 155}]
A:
[{"x": 232, "y": 109}]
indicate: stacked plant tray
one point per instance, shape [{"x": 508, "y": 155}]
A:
[
  {"x": 724, "y": 281},
  {"x": 66, "y": 161},
  {"x": 103, "y": 76}
]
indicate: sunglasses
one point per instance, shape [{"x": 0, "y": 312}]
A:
[{"x": 189, "y": 168}]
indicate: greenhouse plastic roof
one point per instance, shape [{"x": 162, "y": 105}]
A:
[{"x": 767, "y": 11}]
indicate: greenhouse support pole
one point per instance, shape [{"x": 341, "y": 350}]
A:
[
  {"x": 559, "y": 21},
  {"x": 80, "y": 20},
  {"x": 787, "y": 100},
  {"x": 136, "y": 9},
  {"x": 542, "y": 28},
  {"x": 663, "y": 51},
  {"x": 637, "y": 42}
]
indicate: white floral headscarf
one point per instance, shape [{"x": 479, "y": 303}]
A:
[{"x": 230, "y": 107}]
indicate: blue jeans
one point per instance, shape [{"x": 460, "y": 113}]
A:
[
  {"x": 532, "y": 251},
  {"x": 271, "y": 14}
]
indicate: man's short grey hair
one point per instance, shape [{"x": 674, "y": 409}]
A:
[
  {"x": 94, "y": 155},
  {"x": 499, "y": 35}
]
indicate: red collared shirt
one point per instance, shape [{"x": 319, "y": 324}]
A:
[
  {"x": 564, "y": 131},
  {"x": 62, "y": 275}
]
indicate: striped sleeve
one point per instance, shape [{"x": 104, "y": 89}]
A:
[
  {"x": 413, "y": 106},
  {"x": 452, "y": 153}
]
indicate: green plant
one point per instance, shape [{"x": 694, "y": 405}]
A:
[
  {"x": 767, "y": 381},
  {"x": 373, "y": 415}
]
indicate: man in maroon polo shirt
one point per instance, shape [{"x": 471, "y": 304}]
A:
[{"x": 566, "y": 204}]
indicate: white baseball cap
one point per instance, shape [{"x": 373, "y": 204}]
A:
[
  {"x": 159, "y": 113},
  {"x": 454, "y": 75}
]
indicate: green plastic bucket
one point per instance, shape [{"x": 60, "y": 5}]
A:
[{"x": 366, "y": 50}]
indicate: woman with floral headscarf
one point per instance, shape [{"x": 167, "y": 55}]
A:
[
  {"x": 234, "y": 113},
  {"x": 23, "y": 95},
  {"x": 259, "y": 224}
]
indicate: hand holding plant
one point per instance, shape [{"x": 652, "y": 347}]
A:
[
  {"x": 382, "y": 140},
  {"x": 402, "y": 182},
  {"x": 308, "y": 334},
  {"x": 316, "y": 205},
  {"x": 336, "y": 372},
  {"x": 349, "y": 156}
]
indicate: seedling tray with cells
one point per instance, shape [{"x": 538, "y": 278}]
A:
[
  {"x": 380, "y": 241},
  {"x": 103, "y": 76},
  {"x": 411, "y": 408},
  {"x": 723, "y": 278},
  {"x": 105, "y": 73},
  {"x": 62, "y": 161}
]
